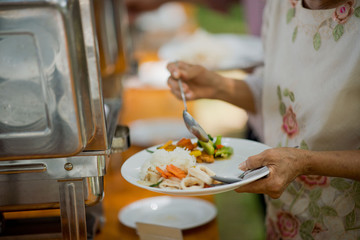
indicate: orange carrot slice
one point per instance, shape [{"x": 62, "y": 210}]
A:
[
  {"x": 165, "y": 174},
  {"x": 182, "y": 142},
  {"x": 186, "y": 143},
  {"x": 176, "y": 171}
]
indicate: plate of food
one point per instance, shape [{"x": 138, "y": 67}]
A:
[
  {"x": 186, "y": 167},
  {"x": 179, "y": 212}
]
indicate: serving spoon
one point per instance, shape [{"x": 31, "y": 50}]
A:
[{"x": 190, "y": 122}]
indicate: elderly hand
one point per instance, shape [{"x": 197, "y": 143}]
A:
[
  {"x": 285, "y": 164},
  {"x": 198, "y": 82}
]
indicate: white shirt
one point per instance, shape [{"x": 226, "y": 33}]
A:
[{"x": 310, "y": 97}]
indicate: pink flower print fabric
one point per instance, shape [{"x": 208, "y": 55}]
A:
[
  {"x": 343, "y": 12},
  {"x": 290, "y": 125},
  {"x": 312, "y": 181},
  {"x": 272, "y": 232},
  {"x": 293, "y": 2},
  {"x": 288, "y": 225}
]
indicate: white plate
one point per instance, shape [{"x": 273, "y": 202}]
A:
[
  {"x": 243, "y": 148},
  {"x": 179, "y": 212}
]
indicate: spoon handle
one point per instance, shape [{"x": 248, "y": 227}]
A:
[{"x": 182, "y": 94}]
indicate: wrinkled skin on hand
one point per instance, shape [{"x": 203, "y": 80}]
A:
[{"x": 284, "y": 165}]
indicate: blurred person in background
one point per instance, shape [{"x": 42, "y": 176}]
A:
[{"x": 308, "y": 93}]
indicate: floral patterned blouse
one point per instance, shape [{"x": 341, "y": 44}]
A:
[{"x": 311, "y": 99}]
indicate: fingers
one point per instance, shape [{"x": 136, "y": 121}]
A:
[
  {"x": 183, "y": 70},
  {"x": 175, "y": 89},
  {"x": 173, "y": 69},
  {"x": 284, "y": 166},
  {"x": 252, "y": 162},
  {"x": 254, "y": 187},
  {"x": 176, "y": 69},
  {"x": 197, "y": 80},
  {"x": 269, "y": 185}
]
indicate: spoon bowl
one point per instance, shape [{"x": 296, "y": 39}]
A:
[
  {"x": 194, "y": 127},
  {"x": 190, "y": 122}
]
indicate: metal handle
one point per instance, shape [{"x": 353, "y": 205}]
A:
[
  {"x": 22, "y": 168},
  {"x": 121, "y": 139},
  {"x": 182, "y": 94}
]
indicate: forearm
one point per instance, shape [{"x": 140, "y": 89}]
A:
[
  {"x": 236, "y": 92},
  {"x": 344, "y": 164}
]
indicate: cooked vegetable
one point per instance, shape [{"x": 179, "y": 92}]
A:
[
  {"x": 177, "y": 172},
  {"x": 186, "y": 143},
  {"x": 148, "y": 150},
  {"x": 195, "y": 153},
  {"x": 208, "y": 147},
  {"x": 224, "y": 152},
  {"x": 210, "y": 150},
  {"x": 171, "y": 171},
  {"x": 218, "y": 141},
  {"x": 165, "y": 174},
  {"x": 166, "y": 144},
  {"x": 156, "y": 184},
  {"x": 219, "y": 146},
  {"x": 210, "y": 137}
]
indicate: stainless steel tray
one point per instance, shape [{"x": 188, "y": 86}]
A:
[{"x": 50, "y": 95}]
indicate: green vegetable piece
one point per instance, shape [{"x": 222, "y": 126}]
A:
[
  {"x": 208, "y": 147},
  {"x": 224, "y": 152},
  {"x": 156, "y": 184},
  {"x": 218, "y": 141}
]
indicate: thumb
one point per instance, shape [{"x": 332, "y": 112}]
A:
[
  {"x": 243, "y": 166},
  {"x": 173, "y": 69},
  {"x": 176, "y": 74},
  {"x": 251, "y": 163}
]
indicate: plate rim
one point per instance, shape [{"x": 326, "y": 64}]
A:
[{"x": 209, "y": 205}]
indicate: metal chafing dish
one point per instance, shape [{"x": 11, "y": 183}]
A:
[{"x": 56, "y": 130}]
